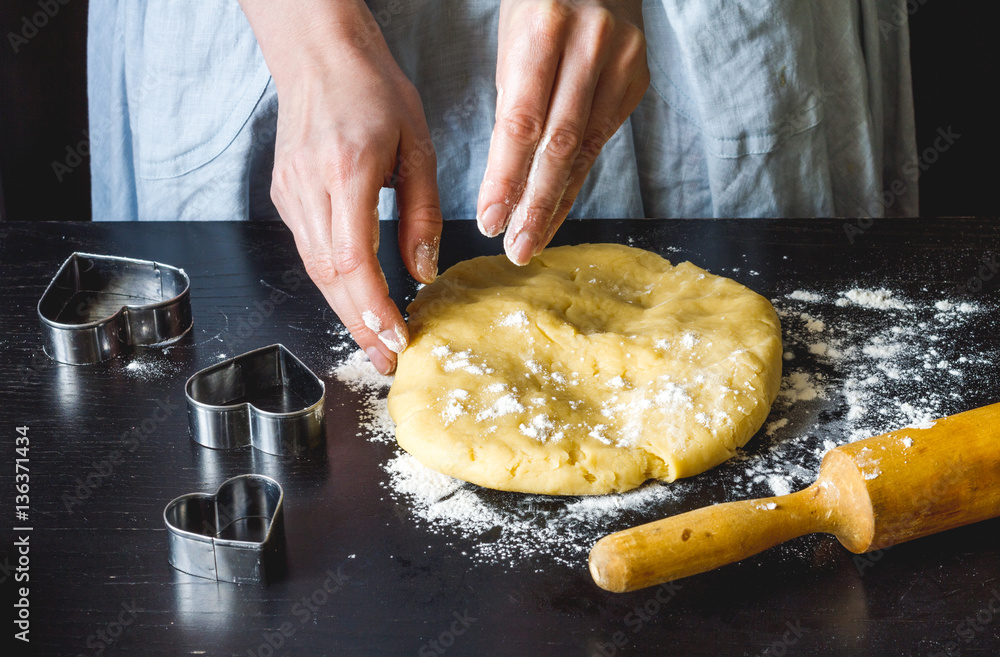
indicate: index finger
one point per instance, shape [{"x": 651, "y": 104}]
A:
[
  {"x": 525, "y": 76},
  {"x": 354, "y": 248}
]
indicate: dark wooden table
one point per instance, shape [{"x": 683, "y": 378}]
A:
[{"x": 99, "y": 578}]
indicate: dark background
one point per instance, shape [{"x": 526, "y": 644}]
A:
[{"x": 43, "y": 109}]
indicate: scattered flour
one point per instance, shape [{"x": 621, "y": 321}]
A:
[
  {"x": 520, "y": 318},
  {"x": 505, "y": 405},
  {"x": 875, "y": 299},
  {"x": 779, "y": 485},
  {"x": 358, "y": 374},
  {"x": 541, "y": 428},
  {"x": 802, "y": 295},
  {"x": 861, "y": 369},
  {"x": 878, "y": 349},
  {"x": 813, "y": 324},
  {"x": 454, "y": 408},
  {"x": 801, "y": 386},
  {"x": 772, "y": 427},
  {"x": 149, "y": 367}
]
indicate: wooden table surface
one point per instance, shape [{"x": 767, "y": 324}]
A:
[{"x": 99, "y": 578}]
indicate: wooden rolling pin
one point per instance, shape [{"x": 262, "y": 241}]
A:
[{"x": 870, "y": 494}]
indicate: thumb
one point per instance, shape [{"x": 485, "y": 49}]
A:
[{"x": 419, "y": 205}]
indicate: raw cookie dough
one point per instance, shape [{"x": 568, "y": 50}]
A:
[{"x": 590, "y": 370}]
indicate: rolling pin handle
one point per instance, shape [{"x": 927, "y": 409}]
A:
[{"x": 703, "y": 539}]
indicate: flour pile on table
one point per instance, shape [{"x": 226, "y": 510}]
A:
[
  {"x": 857, "y": 363},
  {"x": 146, "y": 366}
]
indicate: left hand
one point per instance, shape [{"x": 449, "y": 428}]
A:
[{"x": 569, "y": 72}]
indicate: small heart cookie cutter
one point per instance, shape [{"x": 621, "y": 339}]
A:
[
  {"x": 234, "y": 535},
  {"x": 98, "y": 307},
  {"x": 266, "y": 398}
]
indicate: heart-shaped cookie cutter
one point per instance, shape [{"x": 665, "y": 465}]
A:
[
  {"x": 98, "y": 307},
  {"x": 266, "y": 398},
  {"x": 235, "y": 535}
]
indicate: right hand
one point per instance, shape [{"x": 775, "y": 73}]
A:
[
  {"x": 349, "y": 123},
  {"x": 569, "y": 73}
]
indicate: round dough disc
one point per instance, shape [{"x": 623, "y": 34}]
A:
[{"x": 590, "y": 370}]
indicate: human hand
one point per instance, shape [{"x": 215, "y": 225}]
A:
[
  {"x": 349, "y": 123},
  {"x": 569, "y": 72}
]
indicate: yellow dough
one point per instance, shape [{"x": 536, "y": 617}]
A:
[{"x": 590, "y": 370}]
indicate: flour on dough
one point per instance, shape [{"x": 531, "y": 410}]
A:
[{"x": 590, "y": 370}]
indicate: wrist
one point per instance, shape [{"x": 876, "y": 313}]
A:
[{"x": 297, "y": 37}]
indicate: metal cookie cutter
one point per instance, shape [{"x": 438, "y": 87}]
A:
[
  {"x": 235, "y": 535},
  {"x": 266, "y": 398},
  {"x": 98, "y": 307}
]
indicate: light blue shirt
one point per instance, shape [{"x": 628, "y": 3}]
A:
[{"x": 755, "y": 108}]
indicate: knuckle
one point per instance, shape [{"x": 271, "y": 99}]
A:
[
  {"x": 282, "y": 174},
  {"x": 634, "y": 45},
  {"x": 642, "y": 79},
  {"x": 591, "y": 147},
  {"x": 522, "y": 127},
  {"x": 320, "y": 267},
  {"x": 424, "y": 220},
  {"x": 600, "y": 25},
  {"x": 277, "y": 196},
  {"x": 341, "y": 167},
  {"x": 300, "y": 161},
  {"x": 546, "y": 20},
  {"x": 562, "y": 142},
  {"x": 409, "y": 94},
  {"x": 347, "y": 259},
  {"x": 280, "y": 183}
]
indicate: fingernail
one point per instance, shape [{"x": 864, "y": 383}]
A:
[
  {"x": 427, "y": 261},
  {"x": 395, "y": 339},
  {"x": 523, "y": 248},
  {"x": 492, "y": 222},
  {"x": 381, "y": 363}
]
